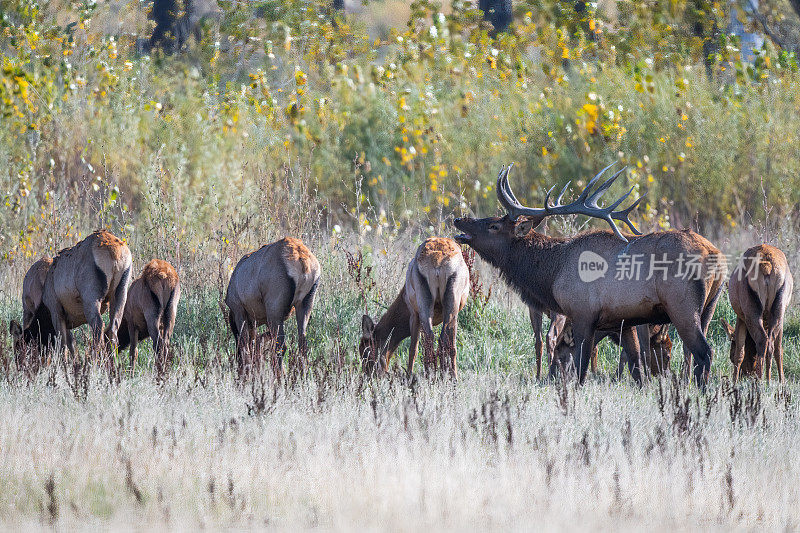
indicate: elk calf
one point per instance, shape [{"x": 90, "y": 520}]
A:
[
  {"x": 36, "y": 329},
  {"x": 264, "y": 287},
  {"x": 83, "y": 282},
  {"x": 760, "y": 288},
  {"x": 653, "y": 341},
  {"x": 150, "y": 310},
  {"x": 435, "y": 291}
]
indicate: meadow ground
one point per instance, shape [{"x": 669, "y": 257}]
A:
[{"x": 83, "y": 448}]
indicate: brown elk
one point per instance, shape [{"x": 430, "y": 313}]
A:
[
  {"x": 666, "y": 276},
  {"x": 36, "y": 330},
  {"x": 150, "y": 310},
  {"x": 760, "y": 288},
  {"x": 83, "y": 282},
  {"x": 263, "y": 289},
  {"x": 654, "y": 342},
  {"x": 435, "y": 291},
  {"x": 556, "y": 322}
]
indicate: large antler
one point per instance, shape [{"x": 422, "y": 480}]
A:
[{"x": 585, "y": 204}]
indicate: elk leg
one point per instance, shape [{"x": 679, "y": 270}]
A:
[
  {"x": 247, "y": 340},
  {"x": 60, "y": 325},
  {"x": 414, "y": 343},
  {"x": 91, "y": 310},
  {"x": 536, "y": 323},
  {"x": 630, "y": 344},
  {"x": 425, "y": 305},
  {"x": 557, "y": 323},
  {"x": 117, "y": 305},
  {"x": 133, "y": 353},
  {"x": 279, "y": 349},
  {"x": 447, "y": 339},
  {"x": 691, "y": 334},
  {"x": 756, "y": 330},
  {"x": 153, "y": 319},
  {"x": 778, "y": 350},
  {"x": 623, "y": 362},
  {"x": 583, "y": 335}
]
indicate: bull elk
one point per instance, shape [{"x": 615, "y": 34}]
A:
[
  {"x": 665, "y": 276},
  {"x": 435, "y": 291},
  {"x": 654, "y": 341},
  {"x": 83, "y": 282},
  {"x": 760, "y": 288},
  {"x": 150, "y": 310},
  {"x": 36, "y": 330},
  {"x": 263, "y": 289}
]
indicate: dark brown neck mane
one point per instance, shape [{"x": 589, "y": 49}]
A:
[{"x": 530, "y": 265}]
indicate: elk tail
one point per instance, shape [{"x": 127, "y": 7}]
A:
[
  {"x": 711, "y": 304},
  {"x": 167, "y": 313}
]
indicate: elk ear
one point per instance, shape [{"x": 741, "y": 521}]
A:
[
  {"x": 367, "y": 327},
  {"x": 728, "y": 328},
  {"x": 525, "y": 225}
]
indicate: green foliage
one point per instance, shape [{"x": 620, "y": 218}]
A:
[{"x": 411, "y": 127}]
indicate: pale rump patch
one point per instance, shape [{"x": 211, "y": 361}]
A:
[
  {"x": 767, "y": 258},
  {"x": 159, "y": 270},
  {"x": 296, "y": 254},
  {"x": 436, "y": 250},
  {"x": 108, "y": 241}
]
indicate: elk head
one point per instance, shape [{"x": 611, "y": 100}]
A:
[
  {"x": 372, "y": 359},
  {"x": 490, "y": 236}
]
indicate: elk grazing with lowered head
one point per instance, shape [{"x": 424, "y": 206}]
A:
[
  {"x": 760, "y": 288},
  {"x": 666, "y": 276},
  {"x": 654, "y": 341},
  {"x": 263, "y": 289},
  {"x": 86, "y": 280},
  {"x": 150, "y": 311},
  {"x": 36, "y": 330},
  {"x": 435, "y": 291}
]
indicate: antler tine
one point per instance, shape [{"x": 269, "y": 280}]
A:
[
  {"x": 595, "y": 196},
  {"x": 564, "y": 190},
  {"x": 547, "y": 199},
  {"x": 620, "y": 200},
  {"x": 501, "y": 193},
  {"x": 582, "y": 197},
  {"x": 611, "y": 223},
  {"x": 507, "y": 188},
  {"x": 622, "y": 216}
]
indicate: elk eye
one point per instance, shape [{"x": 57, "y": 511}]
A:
[{"x": 494, "y": 227}]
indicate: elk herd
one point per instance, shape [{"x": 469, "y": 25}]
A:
[{"x": 662, "y": 278}]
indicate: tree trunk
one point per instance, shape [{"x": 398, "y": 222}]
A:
[
  {"x": 176, "y": 21},
  {"x": 498, "y": 12}
]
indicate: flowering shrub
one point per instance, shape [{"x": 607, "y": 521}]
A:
[{"x": 414, "y": 123}]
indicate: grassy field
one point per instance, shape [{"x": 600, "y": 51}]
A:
[
  {"x": 82, "y": 447},
  {"x": 364, "y": 132}
]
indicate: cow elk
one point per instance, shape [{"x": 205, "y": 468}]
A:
[
  {"x": 666, "y": 276},
  {"x": 435, "y": 291},
  {"x": 263, "y": 289},
  {"x": 36, "y": 330},
  {"x": 83, "y": 282},
  {"x": 760, "y": 289},
  {"x": 654, "y": 342},
  {"x": 150, "y": 311}
]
